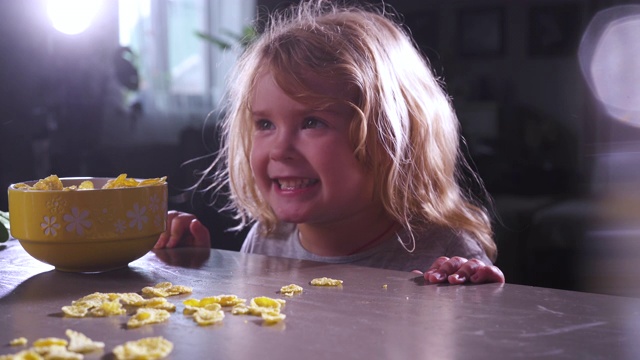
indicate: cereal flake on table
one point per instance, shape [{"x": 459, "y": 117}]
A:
[
  {"x": 222, "y": 300},
  {"x": 208, "y": 310},
  {"x": 325, "y": 281},
  {"x": 147, "y": 316},
  {"x": 156, "y": 303},
  {"x": 22, "y": 355},
  {"x": 52, "y": 348},
  {"x": 267, "y": 308},
  {"x": 146, "y": 348},
  {"x": 57, "y": 352},
  {"x": 165, "y": 289},
  {"x": 204, "y": 316},
  {"x": 291, "y": 289},
  {"x": 50, "y": 341},
  {"x": 111, "y": 304},
  {"x": 80, "y": 343},
  {"x": 21, "y": 341}
]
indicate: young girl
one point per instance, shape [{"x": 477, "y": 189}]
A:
[{"x": 341, "y": 146}]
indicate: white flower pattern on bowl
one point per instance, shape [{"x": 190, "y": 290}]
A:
[
  {"x": 77, "y": 221},
  {"x": 121, "y": 226},
  {"x": 137, "y": 216},
  {"x": 154, "y": 203},
  {"x": 50, "y": 226},
  {"x": 81, "y": 221}
]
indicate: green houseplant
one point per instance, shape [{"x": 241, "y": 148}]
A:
[{"x": 4, "y": 226}]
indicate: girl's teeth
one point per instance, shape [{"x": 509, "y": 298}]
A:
[{"x": 295, "y": 184}]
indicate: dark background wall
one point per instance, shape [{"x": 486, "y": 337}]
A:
[{"x": 533, "y": 129}]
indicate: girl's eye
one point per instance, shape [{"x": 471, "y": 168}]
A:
[
  {"x": 313, "y": 123},
  {"x": 263, "y": 124}
]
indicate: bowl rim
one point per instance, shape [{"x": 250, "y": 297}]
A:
[{"x": 79, "y": 179}]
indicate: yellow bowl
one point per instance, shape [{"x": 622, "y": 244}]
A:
[{"x": 88, "y": 230}]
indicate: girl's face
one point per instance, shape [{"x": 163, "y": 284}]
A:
[{"x": 302, "y": 159}]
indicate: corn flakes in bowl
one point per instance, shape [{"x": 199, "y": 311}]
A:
[{"x": 88, "y": 224}]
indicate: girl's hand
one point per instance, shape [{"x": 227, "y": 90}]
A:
[
  {"x": 458, "y": 270},
  {"x": 183, "y": 229}
]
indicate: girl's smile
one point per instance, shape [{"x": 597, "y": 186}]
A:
[{"x": 293, "y": 184}]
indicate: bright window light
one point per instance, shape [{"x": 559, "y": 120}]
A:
[
  {"x": 72, "y": 16},
  {"x": 609, "y": 55}
]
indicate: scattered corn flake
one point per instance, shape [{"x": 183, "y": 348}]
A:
[
  {"x": 325, "y": 281},
  {"x": 90, "y": 301},
  {"x": 80, "y": 343},
  {"x": 111, "y": 304},
  {"x": 240, "y": 309},
  {"x": 21, "y": 341},
  {"x": 156, "y": 303},
  {"x": 266, "y": 302},
  {"x": 165, "y": 289},
  {"x": 43, "y": 342},
  {"x": 271, "y": 318},
  {"x": 209, "y": 300},
  {"x": 205, "y": 317},
  {"x": 290, "y": 290},
  {"x": 23, "y": 355},
  {"x": 223, "y": 300},
  {"x": 146, "y": 348},
  {"x": 75, "y": 311},
  {"x": 57, "y": 352},
  {"x": 230, "y": 300},
  {"x": 147, "y": 316},
  {"x": 262, "y": 304},
  {"x": 190, "y": 309},
  {"x": 131, "y": 298},
  {"x": 384, "y": 286},
  {"x": 108, "y": 308}
]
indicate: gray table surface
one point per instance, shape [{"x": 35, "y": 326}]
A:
[{"x": 360, "y": 320}]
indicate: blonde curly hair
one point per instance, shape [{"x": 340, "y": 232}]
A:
[{"x": 405, "y": 131}]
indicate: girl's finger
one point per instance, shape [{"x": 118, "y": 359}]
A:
[
  {"x": 200, "y": 233},
  {"x": 179, "y": 229},
  {"x": 446, "y": 268},
  {"x": 488, "y": 274},
  {"x": 162, "y": 241},
  {"x": 435, "y": 267},
  {"x": 465, "y": 271}
]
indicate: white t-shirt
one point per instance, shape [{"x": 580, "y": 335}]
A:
[{"x": 388, "y": 254}]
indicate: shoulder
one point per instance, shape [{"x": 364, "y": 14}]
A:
[{"x": 449, "y": 242}]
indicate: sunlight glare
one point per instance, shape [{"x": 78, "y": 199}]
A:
[
  {"x": 608, "y": 55},
  {"x": 72, "y": 17}
]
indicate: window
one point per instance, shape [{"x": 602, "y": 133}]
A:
[{"x": 180, "y": 72}]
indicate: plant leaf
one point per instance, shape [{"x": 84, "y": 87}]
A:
[
  {"x": 4, "y": 226},
  {"x": 217, "y": 41}
]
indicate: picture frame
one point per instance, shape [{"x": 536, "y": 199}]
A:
[
  {"x": 554, "y": 30},
  {"x": 480, "y": 32}
]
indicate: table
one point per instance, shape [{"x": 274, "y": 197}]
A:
[{"x": 360, "y": 320}]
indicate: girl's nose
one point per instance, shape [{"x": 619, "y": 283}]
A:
[{"x": 283, "y": 146}]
